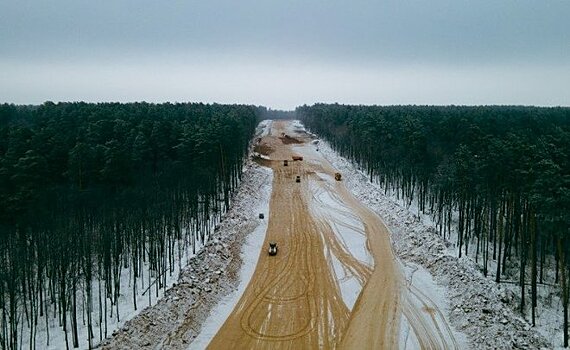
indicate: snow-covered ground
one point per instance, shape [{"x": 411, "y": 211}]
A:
[
  {"x": 350, "y": 235},
  {"x": 346, "y": 224},
  {"x": 216, "y": 273},
  {"x": 193, "y": 310},
  {"x": 252, "y": 245},
  {"x": 422, "y": 293},
  {"x": 212, "y": 276},
  {"x": 350, "y": 288},
  {"x": 125, "y": 306},
  {"x": 475, "y": 305},
  {"x": 263, "y": 128},
  {"x": 260, "y": 179}
]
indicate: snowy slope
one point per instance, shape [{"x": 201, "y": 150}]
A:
[
  {"x": 249, "y": 257},
  {"x": 213, "y": 275}
]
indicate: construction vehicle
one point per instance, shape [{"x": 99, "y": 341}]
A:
[
  {"x": 297, "y": 158},
  {"x": 298, "y": 179},
  {"x": 272, "y": 248},
  {"x": 285, "y": 162},
  {"x": 337, "y": 176}
]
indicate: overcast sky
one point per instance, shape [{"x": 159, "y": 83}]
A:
[{"x": 286, "y": 53}]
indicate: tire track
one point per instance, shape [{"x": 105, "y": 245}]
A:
[{"x": 293, "y": 300}]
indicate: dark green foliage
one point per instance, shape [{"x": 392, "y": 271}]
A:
[
  {"x": 87, "y": 190},
  {"x": 500, "y": 174}
]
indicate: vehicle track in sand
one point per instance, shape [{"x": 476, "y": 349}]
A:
[{"x": 294, "y": 300}]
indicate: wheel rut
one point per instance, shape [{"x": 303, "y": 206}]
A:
[{"x": 294, "y": 299}]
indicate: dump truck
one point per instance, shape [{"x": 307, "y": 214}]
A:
[
  {"x": 337, "y": 176},
  {"x": 298, "y": 179},
  {"x": 297, "y": 158},
  {"x": 285, "y": 162}
]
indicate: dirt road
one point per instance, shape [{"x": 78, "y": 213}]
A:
[{"x": 335, "y": 282}]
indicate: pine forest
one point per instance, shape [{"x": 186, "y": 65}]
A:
[
  {"x": 89, "y": 191},
  {"x": 495, "y": 180}
]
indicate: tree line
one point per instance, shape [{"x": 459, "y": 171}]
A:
[
  {"x": 498, "y": 176},
  {"x": 275, "y": 114},
  {"x": 89, "y": 191}
]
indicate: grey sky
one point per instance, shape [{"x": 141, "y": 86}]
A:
[{"x": 285, "y": 53}]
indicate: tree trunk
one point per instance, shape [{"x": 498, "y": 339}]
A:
[
  {"x": 564, "y": 283},
  {"x": 534, "y": 267}
]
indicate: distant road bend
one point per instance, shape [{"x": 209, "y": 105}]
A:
[{"x": 294, "y": 299}]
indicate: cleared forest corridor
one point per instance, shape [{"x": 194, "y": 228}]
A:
[{"x": 303, "y": 297}]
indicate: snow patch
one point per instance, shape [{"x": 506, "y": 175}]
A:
[
  {"x": 263, "y": 128},
  {"x": 210, "y": 276},
  {"x": 350, "y": 288},
  {"x": 347, "y": 226}
]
